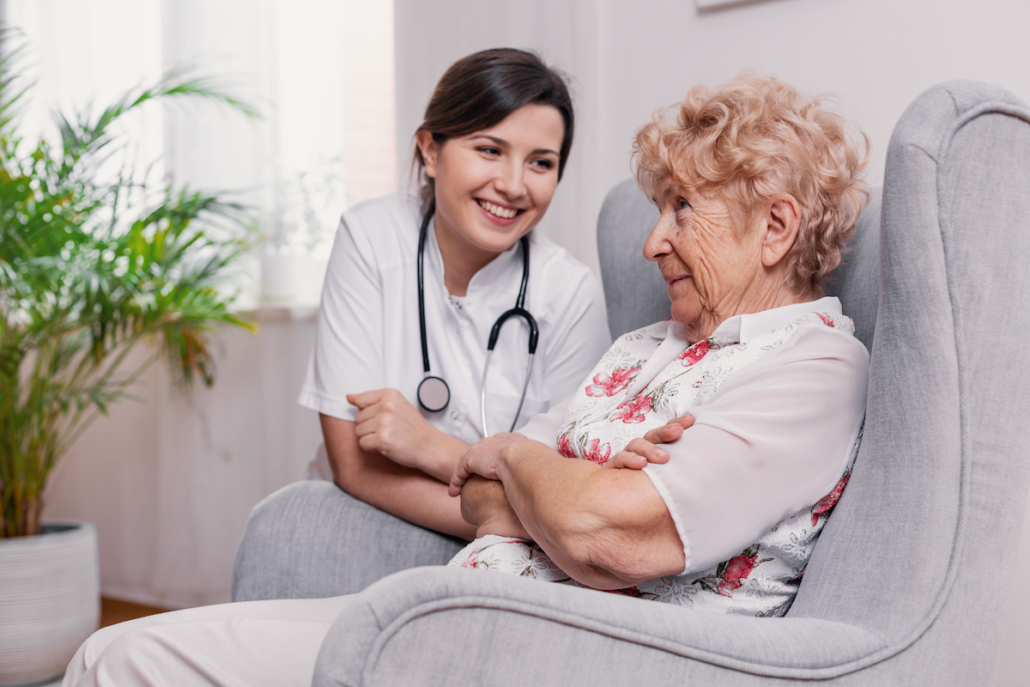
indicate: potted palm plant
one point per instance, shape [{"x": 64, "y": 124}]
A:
[{"x": 94, "y": 263}]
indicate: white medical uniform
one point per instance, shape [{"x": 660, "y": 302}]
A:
[{"x": 368, "y": 325}]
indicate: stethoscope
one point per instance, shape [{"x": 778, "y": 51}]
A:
[{"x": 433, "y": 392}]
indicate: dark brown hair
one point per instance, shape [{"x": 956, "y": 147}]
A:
[{"x": 480, "y": 91}]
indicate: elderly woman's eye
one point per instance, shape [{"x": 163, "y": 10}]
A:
[{"x": 682, "y": 204}]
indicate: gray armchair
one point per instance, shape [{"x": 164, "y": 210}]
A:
[{"x": 907, "y": 585}]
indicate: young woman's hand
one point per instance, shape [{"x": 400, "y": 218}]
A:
[
  {"x": 387, "y": 423},
  {"x": 639, "y": 452}
]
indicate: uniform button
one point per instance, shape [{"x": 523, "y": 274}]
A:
[{"x": 455, "y": 415}]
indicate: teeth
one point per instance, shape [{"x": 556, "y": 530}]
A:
[{"x": 497, "y": 210}]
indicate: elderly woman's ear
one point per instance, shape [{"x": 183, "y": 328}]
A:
[{"x": 780, "y": 221}]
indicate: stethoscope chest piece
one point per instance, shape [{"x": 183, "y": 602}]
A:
[{"x": 433, "y": 394}]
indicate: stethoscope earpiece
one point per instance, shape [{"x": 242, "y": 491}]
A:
[{"x": 433, "y": 393}]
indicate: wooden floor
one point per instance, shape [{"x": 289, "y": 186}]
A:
[{"x": 116, "y": 611}]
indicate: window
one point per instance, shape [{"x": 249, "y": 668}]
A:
[{"x": 321, "y": 74}]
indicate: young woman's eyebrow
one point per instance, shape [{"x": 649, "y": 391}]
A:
[{"x": 504, "y": 144}]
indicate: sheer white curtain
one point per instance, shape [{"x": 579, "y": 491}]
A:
[{"x": 169, "y": 482}]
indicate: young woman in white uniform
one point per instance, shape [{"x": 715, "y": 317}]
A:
[{"x": 490, "y": 152}]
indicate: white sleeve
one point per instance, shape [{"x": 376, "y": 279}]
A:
[
  {"x": 545, "y": 426},
  {"x": 579, "y": 337},
  {"x": 347, "y": 356},
  {"x": 772, "y": 441}
]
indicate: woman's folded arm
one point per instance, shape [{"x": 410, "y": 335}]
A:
[
  {"x": 378, "y": 481},
  {"x": 607, "y": 529}
]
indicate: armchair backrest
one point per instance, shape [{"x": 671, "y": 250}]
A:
[
  {"x": 921, "y": 546},
  {"x": 936, "y": 500},
  {"x": 634, "y": 290}
]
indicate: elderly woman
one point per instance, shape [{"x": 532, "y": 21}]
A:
[{"x": 758, "y": 190}]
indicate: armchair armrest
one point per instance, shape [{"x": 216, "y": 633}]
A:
[
  {"x": 310, "y": 540},
  {"x": 453, "y": 626}
]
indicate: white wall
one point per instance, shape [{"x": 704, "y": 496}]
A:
[{"x": 627, "y": 58}]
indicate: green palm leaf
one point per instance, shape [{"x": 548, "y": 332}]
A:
[{"x": 89, "y": 269}]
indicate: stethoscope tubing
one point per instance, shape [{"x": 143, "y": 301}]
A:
[
  {"x": 518, "y": 311},
  {"x": 423, "y": 232},
  {"x": 482, "y": 394}
]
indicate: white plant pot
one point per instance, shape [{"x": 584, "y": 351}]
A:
[{"x": 49, "y": 600}]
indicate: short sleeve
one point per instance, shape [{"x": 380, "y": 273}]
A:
[
  {"x": 348, "y": 352},
  {"x": 772, "y": 441}
]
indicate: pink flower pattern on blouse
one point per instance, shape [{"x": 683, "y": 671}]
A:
[
  {"x": 609, "y": 384},
  {"x": 473, "y": 562},
  {"x": 565, "y": 446},
  {"x": 593, "y": 452},
  {"x": 730, "y": 575},
  {"x": 738, "y": 569},
  {"x": 824, "y": 505},
  {"x": 633, "y": 410},
  {"x": 695, "y": 352}
]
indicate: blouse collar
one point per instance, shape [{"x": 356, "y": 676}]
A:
[
  {"x": 743, "y": 328},
  {"x": 737, "y": 329}
]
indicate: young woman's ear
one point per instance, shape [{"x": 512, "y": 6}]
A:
[
  {"x": 426, "y": 144},
  {"x": 782, "y": 221}
]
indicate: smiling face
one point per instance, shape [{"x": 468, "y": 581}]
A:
[
  {"x": 713, "y": 271},
  {"x": 492, "y": 186}
]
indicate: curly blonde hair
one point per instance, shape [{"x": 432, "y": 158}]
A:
[{"x": 756, "y": 137}]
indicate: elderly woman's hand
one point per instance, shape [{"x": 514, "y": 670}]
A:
[
  {"x": 485, "y": 506},
  {"x": 639, "y": 452},
  {"x": 482, "y": 459}
]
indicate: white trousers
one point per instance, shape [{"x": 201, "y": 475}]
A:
[{"x": 247, "y": 644}]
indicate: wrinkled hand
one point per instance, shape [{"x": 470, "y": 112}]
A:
[
  {"x": 485, "y": 505},
  {"x": 388, "y": 424},
  {"x": 639, "y": 452},
  {"x": 482, "y": 459}
]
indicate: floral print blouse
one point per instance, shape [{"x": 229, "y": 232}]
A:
[{"x": 651, "y": 376}]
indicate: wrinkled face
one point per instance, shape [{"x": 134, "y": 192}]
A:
[
  {"x": 711, "y": 269},
  {"x": 494, "y": 185}
]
